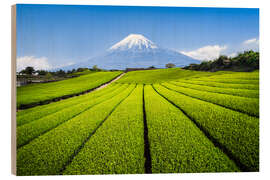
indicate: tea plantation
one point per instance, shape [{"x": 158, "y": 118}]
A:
[{"x": 151, "y": 121}]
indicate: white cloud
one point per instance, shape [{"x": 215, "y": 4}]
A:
[
  {"x": 40, "y": 63},
  {"x": 37, "y": 63},
  {"x": 251, "y": 44},
  {"x": 212, "y": 52},
  {"x": 232, "y": 55},
  {"x": 251, "y": 41},
  {"x": 64, "y": 65},
  {"x": 206, "y": 52}
]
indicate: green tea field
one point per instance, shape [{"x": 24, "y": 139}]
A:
[
  {"x": 35, "y": 94},
  {"x": 150, "y": 121}
]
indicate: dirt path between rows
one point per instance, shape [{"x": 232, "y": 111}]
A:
[{"x": 107, "y": 84}]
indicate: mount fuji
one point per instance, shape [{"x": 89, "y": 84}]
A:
[{"x": 136, "y": 51}]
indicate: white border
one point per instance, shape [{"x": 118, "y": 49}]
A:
[{"x": 5, "y": 41}]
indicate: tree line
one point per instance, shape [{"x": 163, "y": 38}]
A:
[
  {"x": 245, "y": 61},
  {"x": 30, "y": 71}
]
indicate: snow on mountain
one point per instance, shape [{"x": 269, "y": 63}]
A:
[
  {"x": 136, "y": 51},
  {"x": 135, "y": 42}
]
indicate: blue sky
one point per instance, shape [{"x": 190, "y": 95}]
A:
[{"x": 57, "y": 35}]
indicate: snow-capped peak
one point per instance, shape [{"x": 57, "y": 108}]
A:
[{"x": 134, "y": 41}]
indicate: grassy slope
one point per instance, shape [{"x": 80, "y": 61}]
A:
[
  {"x": 176, "y": 144},
  {"x": 83, "y": 73},
  {"x": 222, "y": 85},
  {"x": 27, "y": 132},
  {"x": 49, "y": 152},
  {"x": 242, "y": 104},
  {"x": 117, "y": 147},
  {"x": 35, "y": 93},
  {"x": 35, "y": 113},
  {"x": 239, "y": 75},
  {"x": 163, "y": 75},
  {"x": 238, "y": 132},
  {"x": 230, "y": 91}
]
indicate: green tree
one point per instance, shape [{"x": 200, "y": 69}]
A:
[
  {"x": 95, "y": 68},
  {"x": 80, "y": 69},
  {"x": 48, "y": 75},
  {"x": 221, "y": 59},
  {"x": 170, "y": 65},
  {"x": 28, "y": 70},
  {"x": 60, "y": 73},
  {"x": 205, "y": 66},
  {"x": 151, "y": 67},
  {"x": 41, "y": 72}
]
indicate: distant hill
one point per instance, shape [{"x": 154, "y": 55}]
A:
[
  {"x": 136, "y": 51},
  {"x": 246, "y": 61}
]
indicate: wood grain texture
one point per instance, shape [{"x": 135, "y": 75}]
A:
[{"x": 13, "y": 89}]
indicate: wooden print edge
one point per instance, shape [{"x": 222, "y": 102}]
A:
[{"x": 13, "y": 89}]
